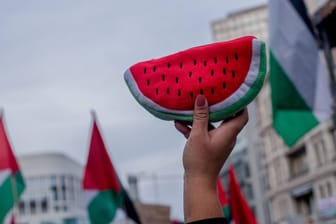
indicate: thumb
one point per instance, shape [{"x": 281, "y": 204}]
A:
[{"x": 201, "y": 115}]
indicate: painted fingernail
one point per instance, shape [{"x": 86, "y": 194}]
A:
[{"x": 200, "y": 100}]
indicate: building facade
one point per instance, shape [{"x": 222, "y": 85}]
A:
[
  {"x": 53, "y": 193},
  {"x": 300, "y": 182}
]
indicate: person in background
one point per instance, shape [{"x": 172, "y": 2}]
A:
[{"x": 204, "y": 155}]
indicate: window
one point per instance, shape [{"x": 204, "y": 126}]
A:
[
  {"x": 297, "y": 163},
  {"x": 32, "y": 205},
  {"x": 21, "y": 207},
  {"x": 304, "y": 204},
  {"x": 54, "y": 192},
  {"x": 329, "y": 189},
  {"x": 44, "y": 205}
]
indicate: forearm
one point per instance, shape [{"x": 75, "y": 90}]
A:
[{"x": 200, "y": 199}]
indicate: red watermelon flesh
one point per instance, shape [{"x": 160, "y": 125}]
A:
[{"x": 168, "y": 86}]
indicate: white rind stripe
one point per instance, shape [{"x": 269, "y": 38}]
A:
[
  {"x": 248, "y": 82},
  {"x": 240, "y": 92},
  {"x": 4, "y": 174}
]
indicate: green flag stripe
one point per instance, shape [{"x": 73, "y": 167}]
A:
[
  {"x": 226, "y": 211},
  {"x": 292, "y": 117},
  {"x": 7, "y": 194},
  {"x": 103, "y": 207}
]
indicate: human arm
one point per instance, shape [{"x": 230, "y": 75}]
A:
[{"x": 204, "y": 155}]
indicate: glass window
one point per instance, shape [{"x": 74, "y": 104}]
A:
[
  {"x": 44, "y": 205},
  {"x": 54, "y": 193},
  {"x": 21, "y": 207},
  {"x": 297, "y": 163},
  {"x": 32, "y": 205},
  {"x": 329, "y": 189}
]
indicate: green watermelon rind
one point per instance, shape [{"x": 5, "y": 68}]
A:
[{"x": 227, "y": 111}]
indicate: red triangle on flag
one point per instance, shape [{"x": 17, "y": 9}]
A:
[
  {"x": 99, "y": 171},
  {"x": 241, "y": 212},
  {"x": 7, "y": 158}
]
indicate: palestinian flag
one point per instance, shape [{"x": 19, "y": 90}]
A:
[
  {"x": 241, "y": 211},
  {"x": 103, "y": 190},
  {"x": 301, "y": 97},
  {"x": 223, "y": 199},
  {"x": 11, "y": 181}
]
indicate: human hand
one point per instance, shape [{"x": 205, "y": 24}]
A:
[
  {"x": 206, "y": 150},
  {"x": 204, "y": 155}
]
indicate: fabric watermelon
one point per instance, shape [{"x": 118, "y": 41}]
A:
[{"x": 230, "y": 74}]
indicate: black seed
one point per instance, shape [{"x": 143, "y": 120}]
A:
[
  {"x": 168, "y": 65},
  {"x": 148, "y": 82},
  {"x": 236, "y": 56},
  {"x": 227, "y": 59},
  {"x": 154, "y": 68},
  {"x": 168, "y": 91},
  {"x": 163, "y": 77},
  {"x": 145, "y": 70},
  {"x": 224, "y": 85},
  {"x": 199, "y": 79},
  {"x": 224, "y": 71},
  {"x": 201, "y": 91},
  {"x": 212, "y": 72},
  {"x": 176, "y": 79},
  {"x": 157, "y": 91},
  {"x": 205, "y": 63},
  {"x": 191, "y": 95},
  {"x": 195, "y": 62},
  {"x": 179, "y": 92},
  {"x": 212, "y": 91},
  {"x": 190, "y": 74},
  {"x": 215, "y": 60},
  {"x": 233, "y": 74},
  {"x": 181, "y": 65}
]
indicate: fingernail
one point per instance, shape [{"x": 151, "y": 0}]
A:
[{"x": 200, "y": 101}]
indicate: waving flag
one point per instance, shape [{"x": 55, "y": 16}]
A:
[
  {"x": 103, "y": 190},
  {"x": 301, "y": 97},
  {"x": 241, "y": 212},
  {"x": 223, "y": 199},
  {"x": 11, "y": 181}
]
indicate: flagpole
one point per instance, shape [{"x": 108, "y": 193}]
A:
[{"x": 93, "y": 114}]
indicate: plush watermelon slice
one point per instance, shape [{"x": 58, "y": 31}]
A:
[{"x": 230, "y": 75}]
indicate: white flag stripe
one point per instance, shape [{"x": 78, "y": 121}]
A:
[
  {"x": 89, "y": 195},
  {"x": 323, "y": 99},
  {"x": 4, "y": 174}
]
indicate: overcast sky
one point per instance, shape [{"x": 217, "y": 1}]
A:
[{"x": 60, "y": 59}]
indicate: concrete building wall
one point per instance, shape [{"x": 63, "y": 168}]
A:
[{"x": 53, "y": 191}]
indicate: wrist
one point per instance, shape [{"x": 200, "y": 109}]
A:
[
  {"x": 200, "y": 198},
  {"x": 202, "y": 180}
]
